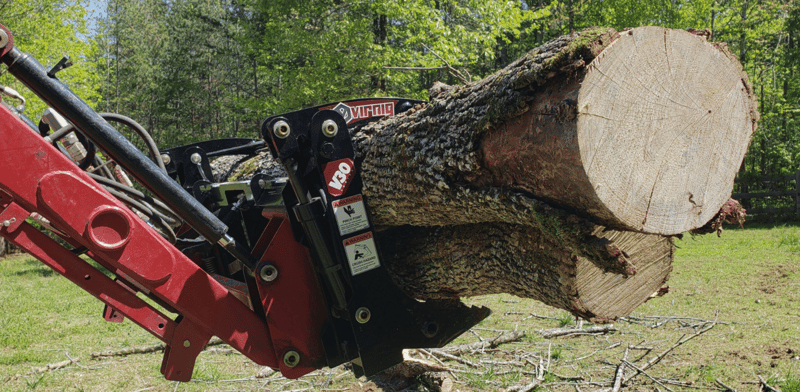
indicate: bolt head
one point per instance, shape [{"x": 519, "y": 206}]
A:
[
  {"x": 329, "y": 128},
  {"x": 291, "y": 358},
  {"x": 268, "y": 273},
  {"x": 166, "y": 159},
  {"x": 327, "y": 149},
  {"x": 196, "y": 158},
  {"x": 363, "y": 315},
  {"x": 281, "y": 129},
  {"x": 262, "y": 184},
  {"x": 187, "y": 343}
]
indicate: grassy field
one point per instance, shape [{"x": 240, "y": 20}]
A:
[{"x": 740, "y": 291}]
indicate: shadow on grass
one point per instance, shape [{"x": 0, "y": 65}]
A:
[{"x": 33, "y": 267}]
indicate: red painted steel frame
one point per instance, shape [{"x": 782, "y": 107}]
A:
[
  {"x": 293, "y": 301},
  {"x": 36, "y": 177}
]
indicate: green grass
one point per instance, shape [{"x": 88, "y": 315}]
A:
[
  {"x": 790, "y": 383},
  {"x": 748, "y": 279}
]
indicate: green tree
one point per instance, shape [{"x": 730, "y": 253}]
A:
[{"x": 50, "y": 29}]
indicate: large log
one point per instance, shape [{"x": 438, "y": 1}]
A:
[
  {"x": 562, "y": 176},
  {"x": 467, "y": 260},
  {"x": 642, "y": 131}
]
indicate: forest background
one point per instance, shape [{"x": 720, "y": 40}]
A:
[{"x": 191, "y": 70}]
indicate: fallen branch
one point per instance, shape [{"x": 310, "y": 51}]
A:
[
  {"x": 439, "y": 352},
  {"x": 647, "y": 375},
  {"x": 556, "y": 332},
  {"x": 764, "y": 386},
  {"x": 478, "y": 346},
  {"x": 661, "y": 356},
  {"x": 54, "y": 366},
  {"x": 596, "y": 351},
  {"x": 525, "y": 387},
  {"x": 620, "y": 372},
  {"x": 540, "y": 317},
  {"x": 144, "y": 350},
  {"x": 726, "y": 387}
]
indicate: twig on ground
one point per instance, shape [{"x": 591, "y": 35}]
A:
[
  {"x": 540, "y": 317},
  {"x": 661, "y": 319},
  {"x": 765, "y": 386},
  {"x": 556, "y": 332},
  {"x": 53, "y": 366},
  {"x": 683, "y": 384},
  {"x": 144, "y": 350},
  {"x": 547, "y": 369},
  {"x": 75, "y": 361},
  {"x": 430, "y": 355},
  {"x": 647, "y": 375},
  {"x": 439, "y": 352},
  {"x": 478, "y": 346},
  {"x": 481, "y": 338},
  {"x": 596, "y": 351},
  {"x": 726, "y": 387},
  {"x": 540, "y": 370},
  {"x": 524, "y": 387},
  {"x": 567, "y": 378},
  {"x": 217, "y": 350},
  {"x": 620, "y": 372},
  {"x": 661, "y": 356}
]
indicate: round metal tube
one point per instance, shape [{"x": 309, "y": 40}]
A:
[{"x": 59, "y": 96}]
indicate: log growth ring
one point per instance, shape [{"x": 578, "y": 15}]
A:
[{"x": 663, "y": 113}]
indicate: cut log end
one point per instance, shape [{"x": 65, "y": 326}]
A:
[
  {"x": 607, "y": 296},
  {"x": 663, "y": 113},
  {"x": 648, "y": 137},
  {"x": 430, "y": 263}
]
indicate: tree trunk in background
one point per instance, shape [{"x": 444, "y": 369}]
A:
[{"x": 562, "y": 176}]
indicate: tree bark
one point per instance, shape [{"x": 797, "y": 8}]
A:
[
  {"x": 563, "y": 176},
  {"x": 639, "y": 131}
]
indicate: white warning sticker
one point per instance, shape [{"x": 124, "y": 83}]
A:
[
  {"x": 361, "y": 253},
  {"x": 350, "y": 214}
]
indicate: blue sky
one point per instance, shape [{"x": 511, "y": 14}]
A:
[{"x": 96, "y": 9}]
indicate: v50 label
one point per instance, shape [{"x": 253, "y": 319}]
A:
[{"x": 339, "y": 174}]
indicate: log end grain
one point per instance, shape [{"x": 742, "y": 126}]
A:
[
  {"x": 606, "y": 296},
  {"x": 664, "y": 121}
]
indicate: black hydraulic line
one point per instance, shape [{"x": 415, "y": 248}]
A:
[
  {"x": 139, "y": 196},
  {"x": 28, "y": 71},
  {"x": 136, "y": 127},
  {"x": 248, "y": 149}
]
